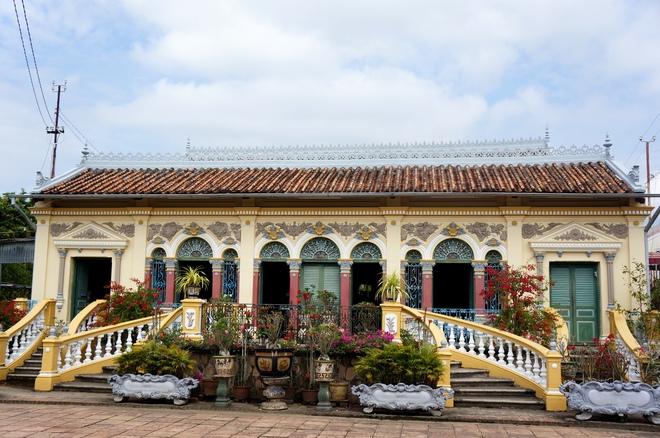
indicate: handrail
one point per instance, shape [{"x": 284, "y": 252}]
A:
[
  {"x": 626, "y": 343},
  {"x": 20, "y": 341},
  {"x": 503, "y": 354},
  {"x": 90, "y": 350},
  {"x": 85, "y": 319}
]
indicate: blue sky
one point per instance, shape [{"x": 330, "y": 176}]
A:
[{"x": 146, "y": 76}]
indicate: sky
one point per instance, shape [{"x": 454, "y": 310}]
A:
[{"x": 152, "y": 75}]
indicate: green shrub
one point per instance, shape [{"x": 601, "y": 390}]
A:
[
  {"x": 157, "y": 359},
  {"x": 401, "y": 363}
]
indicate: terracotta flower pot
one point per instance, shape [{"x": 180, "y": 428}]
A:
[
  {"x": 241, "y": 392},
  {"x": 310, "y": 396},
  {"x": 339, "y": 391},
  {"x": 289, "y": 394},
  {"x": 210, "y": 386}
]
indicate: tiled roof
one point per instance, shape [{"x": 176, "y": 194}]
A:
[{"x": 587, "y": 178}]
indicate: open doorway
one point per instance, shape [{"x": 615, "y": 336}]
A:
[
  {"x": 274, "y": 283},
  {"x": 205, "y": 266},
  {"x": 91, "y": 281},
  {"x": 452, "y": 286},
  {"x": 364, "y": 282}
]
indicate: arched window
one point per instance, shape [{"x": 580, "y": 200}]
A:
[
  {"x": 366, "y": 251},
  {"x": 453, "y": 249},
  {"x": 274, "y": 250},
  {"x": 319, "y": 264},
  {"x": 194, "y": 249}
]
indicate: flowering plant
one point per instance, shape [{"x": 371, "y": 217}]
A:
[
  {"x": 270, "y": 327},
  {"x": 350, "y": 344},
  {"x": 323, "y": 337},
  {"x": 126, "y": 304},
  {"x": 601, "y": 361},
  {"x": 9, "y": 314},
  {"x": 519, "y": 291}
]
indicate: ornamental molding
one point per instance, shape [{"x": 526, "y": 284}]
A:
[
  {"x": 514, "y": 151},
  {"x": 422, "y": 230},
  {"x": 57, "y": 229},
  {"x": 482, "y": 230},
  {"x": 532, "y": 230},
  {"x": 294, "y": 229},
  {"x": 575, "y": 237},
  {"x": 224, "y": 230},
  {"x": 127, "y": 230},
  {"x": 167, "y": 230},
  {"x": 619, "y": 231},
  {"x": 91, "y": 236}
]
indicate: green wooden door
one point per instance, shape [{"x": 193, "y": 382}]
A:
[
  {"x": 575, "y": 296},
  {"x": 325, "y": 276}
]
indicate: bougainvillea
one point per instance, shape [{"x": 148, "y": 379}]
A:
[
  {"x": 519, "y": 292},
  {"x": 10, "y": 314},
  {"x": 126, "y": 304}
]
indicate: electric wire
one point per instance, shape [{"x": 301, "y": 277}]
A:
[
  {"x": 27, "y": 62},
  {"x": 74, "y": 129},
  {"x": 639, "y": 142},
  {"x": 34, "y": 59}
]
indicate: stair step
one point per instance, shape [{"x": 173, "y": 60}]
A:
[
  {"x": 499, "y": 402},
  {"x": 81, "y": 386},
  {"x": 491, "y": 391},
  {"x": 480, "y": 381}
]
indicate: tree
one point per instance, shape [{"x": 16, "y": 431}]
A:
[{"x": 13, "y": 226}]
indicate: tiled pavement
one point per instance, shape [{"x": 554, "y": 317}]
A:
[{"x": 26, "y": 413}]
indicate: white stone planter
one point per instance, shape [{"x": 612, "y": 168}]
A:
[
  {"x": 402, "y": 397},
  {"x": 620, "y": 398},
  {"x": 148, "y": 386}
]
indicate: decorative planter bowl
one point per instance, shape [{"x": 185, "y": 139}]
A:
[
  {"x": 273, "y": 362},
  {"x": 324, "y": 370},
  {"x": 402, "y": 397},
  {"x": 620, "y": 398},
  {"x": 225, "y": 366},
  {"x": 147, "y": 386}
]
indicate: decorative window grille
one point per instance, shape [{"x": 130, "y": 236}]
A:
[
  {"x": 194, "y": 249},
  {"x": 230, "y": 274},
  {"x": 158, "y": 278},
  {"x": 320, "y": 249},
  {"x": 366, "y": 250},
  {"x": 413, "y": 279},
  {"x": 453, "y": 249},
  {"x": 274, "y": 250},
  {"x": 494, "y": 259}
]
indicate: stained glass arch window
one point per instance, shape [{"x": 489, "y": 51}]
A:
[
  {"x": 320, "y": 248},
  {"x": 194, "y": 249},
  {"x": 366, "y": 251},
  {"x": 274, "y": 250}
]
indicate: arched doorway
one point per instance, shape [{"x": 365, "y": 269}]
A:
[
  {"x": 195, "y": 252},
  {"x": 319, "y": 265},
  {"x": 366, "y": 272},
  {"x": 274, "y": 274},
  {"x": 453, "y": 275}
]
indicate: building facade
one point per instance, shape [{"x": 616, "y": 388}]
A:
[{"x": 264, "y": 223}]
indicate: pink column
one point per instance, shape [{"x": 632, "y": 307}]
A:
[
  {"x": 294, "y": 280},
  {"x": 147, "y": 272},
  {"x": 427, "y": 284},
  {"x": 170, "y": 278},
  {"x": 256, "y": 273},
  {"x": 345, "y": 282},
  {"x": 216, "y": 282},
  {"x": 479, "y": 284}
]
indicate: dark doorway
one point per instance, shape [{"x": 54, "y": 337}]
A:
[
  {"x": 205, "y": 292},
  {"x": 274, "y": 283},
  {"x": 364, "y": 282},
  {"x": 91, "y": 278},
  {"x": 452, "y": 286}
]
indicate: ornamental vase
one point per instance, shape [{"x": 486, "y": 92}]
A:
[
  {"x": 324, "y": 370},
  {"x": 225, "y": 366},
  {"x": 273, "y": 362}
]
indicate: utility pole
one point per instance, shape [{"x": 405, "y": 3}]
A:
[{"x": 57, "y": 129}]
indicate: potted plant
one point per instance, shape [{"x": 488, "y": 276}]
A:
[
  {"x": 605, "y": 388},
  {"x": 390, "y": 288},
  {"x": 191, "y": 280},
  {"x": 402, "y": 376},
  {"x": 226, "y": 330},
  {"x": 154, "y": 370}
]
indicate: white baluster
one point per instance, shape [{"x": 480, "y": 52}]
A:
[
  {"x": 452, "y": 337},
  {"x": 535, "y": 367},
  {"x": 543, "y": 374},
  {"x": 77, "y": 353},
  {"x": 461, "y": 339},
  {"x": 528, "y": 363},
  {"x": 129, "y": 340},
  {"x": 67, "y": 357},
  {"x": 60, "y": 364},
  {"x": 108, "y": 345},
  {"x": 88, "y": 350},
  {"x": 491, "y": 348},
  {"x": 500, "y": 352},
  {"x": 471, "y": 341},
  {"x": 118, "y": 345},
  {"x": 98, "y": 350},
  {"x": 509, "y": 355},
  {"x": 481, "y": 346},
  {"x": 519, "y": 360}
]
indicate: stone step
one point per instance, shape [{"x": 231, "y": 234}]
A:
[
  {"x": 480, "y": 381},
  {"x": 498, "y": 401},
  {"x": 101, "y": 386}
]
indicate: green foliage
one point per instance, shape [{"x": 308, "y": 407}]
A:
[
  {"x": 401, "y": 363},
  {"x": 18, "y": 274},
  {"x": 126, "y": 304},
  {"x": 391, "y": 288},
  {"x": 12, "y": 224},
  {"x": 601, "y": 361},
  {"x": 323, "y": 337},
  {"x": 191, "y": 276},
  {"x": 10, "y": 314},
  {"x": 156, "y": 359}
]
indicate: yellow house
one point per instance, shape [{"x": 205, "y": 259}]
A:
[{"x": 266, "y": 222}]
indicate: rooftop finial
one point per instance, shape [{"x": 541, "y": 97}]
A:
[
  {"x": 547, "y": 135},
  {"x": 607, "y": 145}
]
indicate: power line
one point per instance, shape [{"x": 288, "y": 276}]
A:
[
  {"x": 34, "y": 59},
  {"x": 638, "y": 143},
  {"x": 27, "y": 62},
  {"x": 73, "y": 127}
]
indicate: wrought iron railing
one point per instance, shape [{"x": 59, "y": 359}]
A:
[{"x": 356, "y": 319}]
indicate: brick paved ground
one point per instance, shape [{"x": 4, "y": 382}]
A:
[{"x": 26, "y": 413}]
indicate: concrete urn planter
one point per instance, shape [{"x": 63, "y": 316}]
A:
[
  {"x": 402, "y": 397},
  {"x": 147, "y": 386},
  {"x": 620, "y": 398}
]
